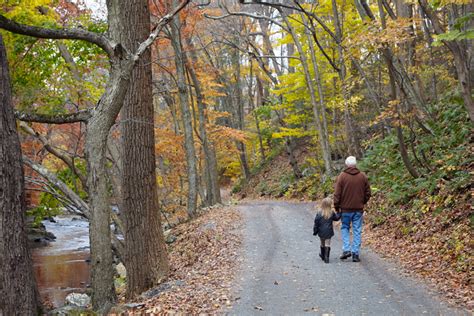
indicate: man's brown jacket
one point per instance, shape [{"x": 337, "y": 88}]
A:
[{"x": 352, "y": 190}]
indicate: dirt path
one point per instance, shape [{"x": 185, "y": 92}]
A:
[{"x": 282, "y": 274}]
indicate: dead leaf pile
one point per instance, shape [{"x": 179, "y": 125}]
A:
[
  {"x": 203, "y": 260},
  {"x": 437, "y": 247}
]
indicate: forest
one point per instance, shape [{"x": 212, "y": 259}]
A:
[{"x": 143, "y": 117}]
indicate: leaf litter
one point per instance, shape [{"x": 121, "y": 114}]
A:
[{"x": 203, "y": 262}]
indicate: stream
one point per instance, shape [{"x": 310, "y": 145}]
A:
[{"x": 61, "y": 267}]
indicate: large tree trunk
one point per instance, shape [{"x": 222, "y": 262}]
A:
[
  {"x": 18, "y": 292},
  {"x": 145, "y": 251},
  {"x": 98, "y": 127},
  {"x": 464, "y": 73},
  {"x": 102, "y": 275},
  {"x": 186, "y": 115}
]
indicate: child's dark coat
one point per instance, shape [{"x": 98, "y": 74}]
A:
[{"x": 323, "y": 226}]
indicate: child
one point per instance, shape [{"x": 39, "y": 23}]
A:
[{"x": 323, "y": 227}]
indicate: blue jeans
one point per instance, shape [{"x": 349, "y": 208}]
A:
[{"x": 356, "y": 218}]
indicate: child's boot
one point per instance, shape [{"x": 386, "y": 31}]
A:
[
  {"x": 323, "y": 252},
  {"x": 326, "y": 254}
]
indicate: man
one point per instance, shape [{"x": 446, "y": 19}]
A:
[{"x": 352, "y": 191}]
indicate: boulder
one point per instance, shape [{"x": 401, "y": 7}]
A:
[
  {"x": 78, "y": 300},
  {"x": 169, "y": 237},
  {"x": 38, "y": 236},
  {"x": 208, "y": 226},
  {"x": 121, "y": 270}
]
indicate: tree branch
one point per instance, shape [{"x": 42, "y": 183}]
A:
[
  {"x": 60, "y": 185},
  {"x": 80, "y": 116},
  {"x": 65, "y": 158},
  {"x": 76, "y": 34},
  {"x": 157, "y": 29},
  {"x": 250, "y": 15}
]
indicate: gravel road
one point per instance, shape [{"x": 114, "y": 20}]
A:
[{"x": 282, "y": 274}]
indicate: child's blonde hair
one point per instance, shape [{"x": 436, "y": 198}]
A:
[{"x": 326, "y": 207}]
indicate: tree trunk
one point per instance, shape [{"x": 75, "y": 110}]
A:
[
  {"x": 18, "y": 292},
  {"x": 186, "y": 114},
  {"x": 324, "y": 143},
  {"x": 213, "y": 189},
  {"x": 461, "y": 51},
  {"x": 102, "y": 275},
  {"x": 404, "y": 153},
  {"x": 317, "y": 77},
  {"x": 98, "y": 127},
  {"x": 463, "y": 71},
  {"x": 351, "y": 131},
  {"x": 399, "y": 72},
  {"x": 259, "y": 102},
  {"x": 239, "y": 114},
  {"x": 145, "y": 251},
  {"x": 401, "y": 141}
]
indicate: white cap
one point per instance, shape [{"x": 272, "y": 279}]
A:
[{"x": 351, "y": 161}]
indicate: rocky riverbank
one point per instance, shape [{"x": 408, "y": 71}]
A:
[{"x": 38, "y": 236}]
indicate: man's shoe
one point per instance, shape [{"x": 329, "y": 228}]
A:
[
  {"x": 355, "y": 258},
  {"x": 322, "y": 254},
  {"x": 345, "y": 255}
]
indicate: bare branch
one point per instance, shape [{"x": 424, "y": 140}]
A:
[
  {"x": 80, "y": 116},
  {"x": 60, "y": 185},
  {"x": 299, "y": 8},
  {"x": 319, "y": 20},
  {"x": 158, "y": 27},
  {"x": 389, "y": 10},
  {"x": 250, "y": 15},
  {"x": 78, "y": 34},
  {"x": 65, "y": 158}
]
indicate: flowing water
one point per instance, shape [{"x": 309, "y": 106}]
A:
[{"x": 61, "y": 267}]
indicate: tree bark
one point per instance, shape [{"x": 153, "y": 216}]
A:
[
  {"x": 145, "y": 259},
  {"x": 18, "y": 291},
  {"x": 186, "y": 115}
]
